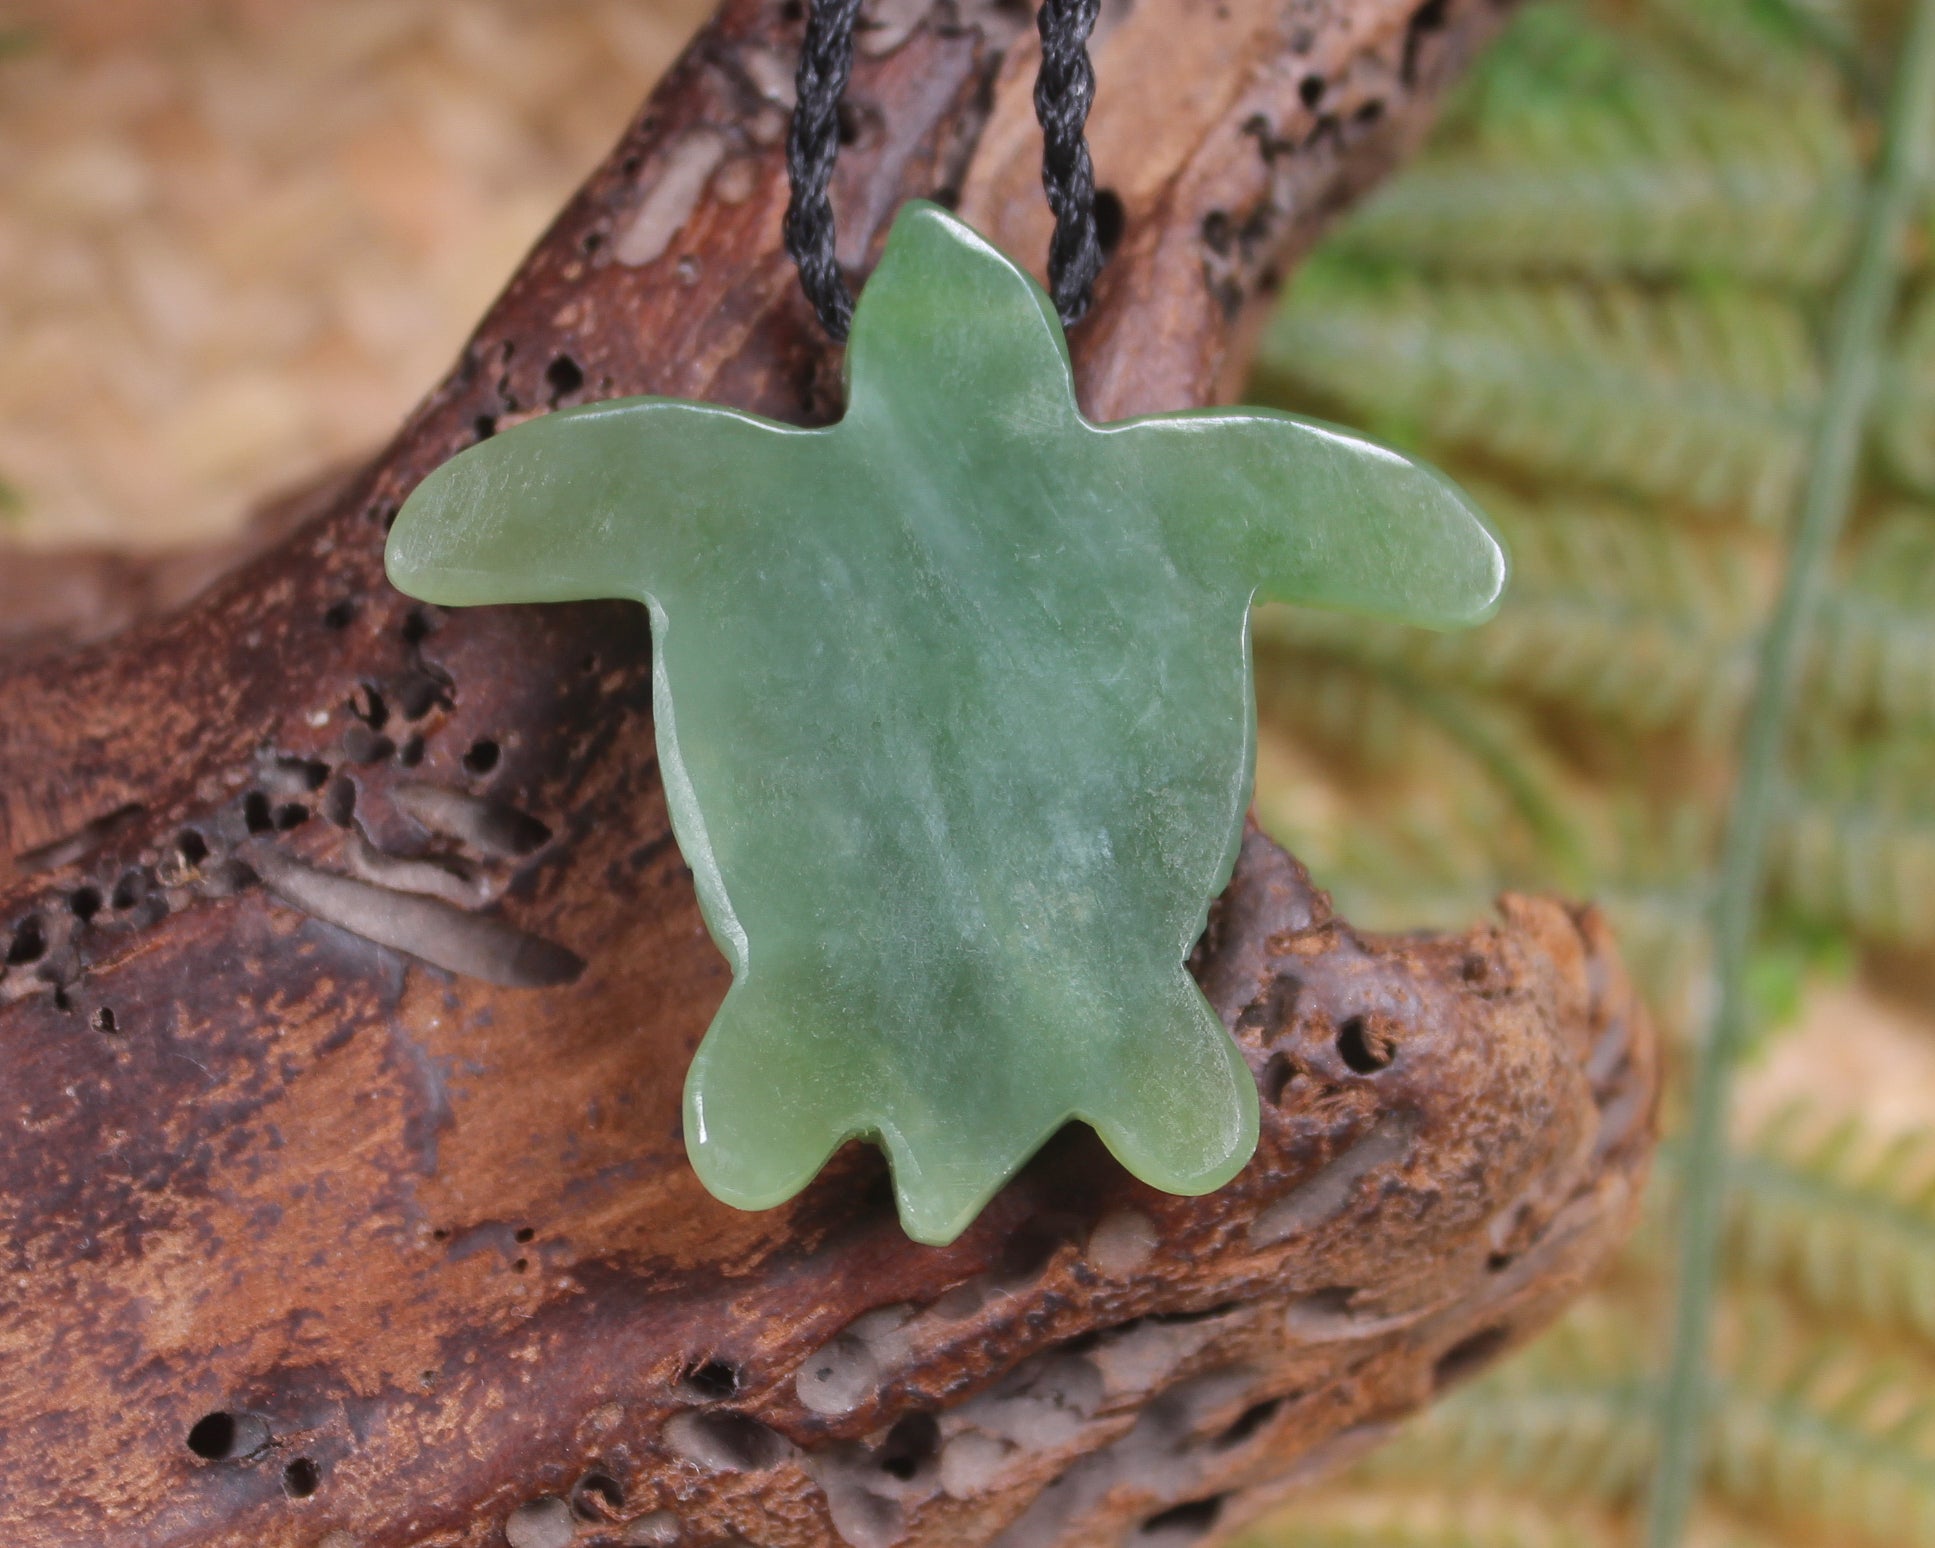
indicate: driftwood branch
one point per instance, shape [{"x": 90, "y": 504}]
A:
[{"x": 323, "y": 1227}]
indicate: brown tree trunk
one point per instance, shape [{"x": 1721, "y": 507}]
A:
[{"x": 351, "y": 972}]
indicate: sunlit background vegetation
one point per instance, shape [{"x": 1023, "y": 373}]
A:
[{"x": 238, "y": 239}]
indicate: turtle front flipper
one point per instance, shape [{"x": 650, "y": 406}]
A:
[{"x": 629, "y": 498}]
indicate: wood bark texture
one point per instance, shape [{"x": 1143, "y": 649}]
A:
[{"x": 351, "y": 971}]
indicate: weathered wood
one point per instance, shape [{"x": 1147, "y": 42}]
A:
[{"x": 324, "y": 1226}]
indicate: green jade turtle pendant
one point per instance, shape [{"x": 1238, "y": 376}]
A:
[{"x": 955, "y": 717}]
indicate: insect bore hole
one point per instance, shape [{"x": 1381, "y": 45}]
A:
[
  {"x": 481, "y": 756},
  {"x": 1364, "y": 1048},
  {"x": 221, "y": 1436}
]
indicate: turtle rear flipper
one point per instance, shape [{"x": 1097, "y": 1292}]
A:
[
  {"x": 1177, "y": 1105},
  {"x": 779, "y": 1084}
]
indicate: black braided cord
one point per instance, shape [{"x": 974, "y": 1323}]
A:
[
  {"x": 811, "y": 144},
  {"x": 1064, "y": 89}
]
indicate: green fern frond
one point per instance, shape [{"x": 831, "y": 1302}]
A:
[
  {"x": 1551, "y": 59},
  {"x": 1704, "y": 398},
  {"x": 1875, "y": 646},
  {"x": 1813, "y": 1433},
  {"x": 1842, "y": 1443},
  {"x": 1781, "y": 47},
  {"x": 1843, "y": 1217},
  {"x": 1373, "y": 710},
  {"x": 1869, "y": 865},
  {"x": 1568, "y": 1419},
  {"x": 1742, "y": 186}
]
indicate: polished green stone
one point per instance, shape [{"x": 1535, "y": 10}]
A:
[{"x": 955, "y": 716}]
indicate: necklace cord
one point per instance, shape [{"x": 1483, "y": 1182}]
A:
[{"x": 1064, "y": 90}]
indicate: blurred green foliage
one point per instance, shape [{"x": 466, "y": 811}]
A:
[{"x": 1600, "y": 299}]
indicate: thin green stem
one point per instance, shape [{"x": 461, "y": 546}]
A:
[{"x": 1854, "y": 350}]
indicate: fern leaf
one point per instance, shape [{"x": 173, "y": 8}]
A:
[
  {"x": 1842, "y": 1443},
  {"x": 1701, "y": 398},
  {"x": 1867, "y": 864},
  {"x": 1553, "y": 1427},
  {"x": 1821, "y": 1437},
  {"x": 1844, "y": 1218},
  {"x": 1752, "y": 188},
  {"x": 1875, "y": 651},
  {"x": 1776, "y": 46}
]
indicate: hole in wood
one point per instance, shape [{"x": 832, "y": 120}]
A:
[
  {"x": 597, "y": 1497},
  {"x": 1185, "y": 1522},
  {"x": 913, "y": 1442},
  {"x": 564, "y": 377},
  {"x": 367, "y": 705},
  {"x": 711, "y": 1382},
  {"x": 302, "y": 773},
  {"x": 212, "y": 1436},
  {"x": 340, "y": 804},
  {"x": 103, "y": 1020},
  {"x": 1277, "y": 1076},
  {"x": 339, "y": 615},
  {"x": 1204, "y": 1314},
  {"x": 481, "y": 756},
  {"x": 222, "y": 1436},
  {"x": 724, "y": 1442},
  {"x": 362, "y": 745},
  {"x": 1364, "y": 1048},
  {"x": 301, "y": 1478},
  {"x": 29, "y": 942},
  {"x": 1251, "y": 1420}
]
